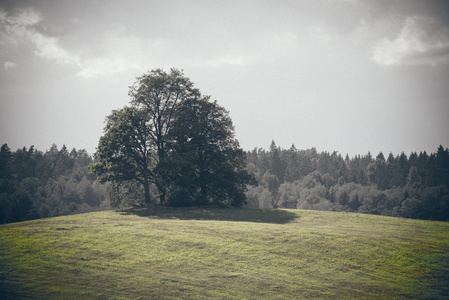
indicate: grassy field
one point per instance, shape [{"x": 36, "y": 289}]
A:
[{"x": 217, "y": 253}]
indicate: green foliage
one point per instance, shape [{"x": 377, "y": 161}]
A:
[
  {"x": 205, "y": 163},
  {"x": 396, "y": 186},
  {"x": 173, "y": 253},
  {"x": 176, "y": 139},
  {"x": 37, "y": 185},
  {"x": 124, "y": 153},
  {"x": 6, "y": 165},
  {"x": 158, "y": 95},
  {"x": 124, "y": 194}
]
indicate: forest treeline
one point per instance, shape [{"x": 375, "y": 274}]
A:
[
  {"x": 34, "y": 184},
  {"x": 416, "y": 186}
]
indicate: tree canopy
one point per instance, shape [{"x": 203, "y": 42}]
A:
[
  {"x": 35, "y": 184},
  {"x": 205, "y": 163},
  {"x": 176, "y": 139},
  {"x": 413, "y": 187},
  {"x": 124, "y": 152}
]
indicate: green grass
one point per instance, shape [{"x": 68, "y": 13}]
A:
[{"x": 217, "y": 253}]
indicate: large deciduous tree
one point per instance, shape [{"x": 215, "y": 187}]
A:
[{"x": 175, "y": 138}]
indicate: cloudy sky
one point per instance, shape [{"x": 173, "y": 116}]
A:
[{"x": 346, "y": 75}]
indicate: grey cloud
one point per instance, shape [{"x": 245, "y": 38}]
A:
[{"x": 422, "y": 40}]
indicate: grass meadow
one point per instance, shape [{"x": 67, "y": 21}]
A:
[{"x": 218, "y": 253}]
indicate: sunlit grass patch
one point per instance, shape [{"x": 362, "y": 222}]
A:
[{"x": 224, "y": 253}]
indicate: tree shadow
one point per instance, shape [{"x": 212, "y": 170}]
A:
[{"x": 274, "y": 216}]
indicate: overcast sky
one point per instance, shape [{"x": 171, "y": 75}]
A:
[{"x": 348, "y": 76}]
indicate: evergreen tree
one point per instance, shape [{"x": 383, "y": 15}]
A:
[
  {"x": 276, "y": 164},
  {"x": 293, "y": 170},
  {"x": 442, "y": 166},
  {"x": 6, "y": 172}
]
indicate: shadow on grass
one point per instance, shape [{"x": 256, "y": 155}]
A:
[{"x": 274, "y": 216}]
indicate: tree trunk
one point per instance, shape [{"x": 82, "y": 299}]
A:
[
  {"x": 146, "y": 187},
  {"x": 161, "y": 189},
  {"x": 162, "y": 196},
  {"x": 203, "y": 183},
  {"x": 161, "y": 155}
]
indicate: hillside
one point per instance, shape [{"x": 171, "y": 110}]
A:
[{"x": 224, "y": 254}]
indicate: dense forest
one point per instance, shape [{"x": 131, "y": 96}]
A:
[
  {"x": 412, "y": 187},
  {"x": 35, "y": 184}
]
